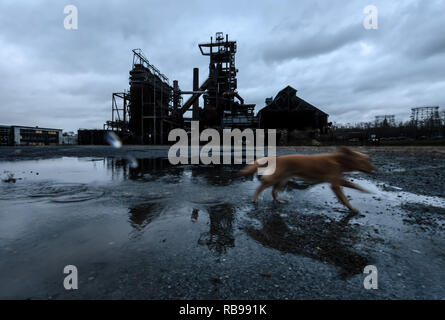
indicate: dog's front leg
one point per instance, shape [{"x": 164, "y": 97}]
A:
[
  {"x": 341, "y": 196},
  {"x": 348, "y": 184},
  {"x": 275, "y": 190},
  {"x": 260, "y": 189}
]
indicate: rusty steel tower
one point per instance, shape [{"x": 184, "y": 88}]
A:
[
  {"x": 219, "y": 90},
  {"x": 152, "y": 107}
]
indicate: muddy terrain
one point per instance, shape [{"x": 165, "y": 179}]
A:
[{"x": 137, "y": 227}]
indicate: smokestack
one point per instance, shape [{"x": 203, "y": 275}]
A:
[
  {"x": 195, "y": 115},
  {"x": 175, "y": 94}
]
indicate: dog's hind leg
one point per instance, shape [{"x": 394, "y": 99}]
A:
[
  {"x": 348, "y": 184},
  {"x": 260, "y": 189},
  {"x": 341, "y": 196},
  {"x": 275, "y": 190}
]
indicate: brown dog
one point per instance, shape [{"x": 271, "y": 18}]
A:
[{"x": 317, "y": 168}]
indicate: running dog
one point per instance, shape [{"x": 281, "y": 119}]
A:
[{"x": 315, "y": 169}]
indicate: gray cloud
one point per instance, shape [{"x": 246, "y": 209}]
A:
[
  {"x": 58, "y": 78},
  {"x": 313, "y": 44}
]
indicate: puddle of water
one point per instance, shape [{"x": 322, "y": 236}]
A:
[
  {"x": 67, "y": 169},
  {"x": 205, "y": 209},
  {"x": 395, "y": 196}
]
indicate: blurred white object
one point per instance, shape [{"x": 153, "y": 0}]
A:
[{"x": 113, "y": 140}]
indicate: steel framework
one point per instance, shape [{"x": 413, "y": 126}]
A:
[
  {"x": 119, "y": 112},
  {"x": 152, "y": 106},
  {"x": 422, "y": 117},
  {"x": 151, "y": 101}
]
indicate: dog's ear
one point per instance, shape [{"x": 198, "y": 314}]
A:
[{"x": 346, "y": 150}]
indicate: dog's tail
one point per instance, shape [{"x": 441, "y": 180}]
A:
[{"x": 253, "y": 166}]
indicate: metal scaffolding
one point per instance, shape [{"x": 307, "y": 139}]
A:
[
  {"x": 152, "y": 107},
  {"x": 151, "y": 101},
  {"x": 119, "y": 112},
  {"x": 220, "y": 107},
  {"x": 425, "y": 117}
]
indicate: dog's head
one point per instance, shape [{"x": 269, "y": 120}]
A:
[{"x": 356, "y": 161}]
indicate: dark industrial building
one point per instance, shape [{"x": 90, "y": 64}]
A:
[
  {"x": 5, "y": 135},
  {"x": 91, "y": 136},
  {"x": 288, "y": 111},
  {"x": 152, "y": 107},
  {"x": 29, "y": 136},
  {"x": 147, "y": 112}
]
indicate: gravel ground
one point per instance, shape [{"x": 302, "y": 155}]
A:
[{"x": 157, "y": 231}]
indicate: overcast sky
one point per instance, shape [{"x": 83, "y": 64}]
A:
[{"x": 62, "y": 78}]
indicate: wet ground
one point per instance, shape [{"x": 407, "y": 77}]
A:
[{"x": 137, "y": 227}]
